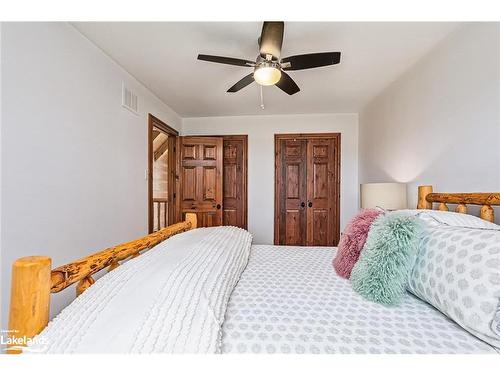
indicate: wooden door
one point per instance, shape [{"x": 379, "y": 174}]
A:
[
  {"x": 307, "y": 189},
  {"x": 322, "y": 206},
  {"x": 235, "y": 181},
  {"x": 291, "y": 180},
  {"x": 200, "y": 185}
]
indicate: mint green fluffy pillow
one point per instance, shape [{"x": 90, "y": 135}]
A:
[{"x": 384, "y": 266}]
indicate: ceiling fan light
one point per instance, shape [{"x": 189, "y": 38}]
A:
[{"x": 267, "y": 75}]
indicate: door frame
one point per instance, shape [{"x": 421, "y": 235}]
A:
[
  {"x": 244, "y": 138},
  {"x": 172, "y": 166},
  {"x": 277, "y": 169}
]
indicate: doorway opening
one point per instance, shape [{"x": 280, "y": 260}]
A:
[{"x": 162, "y": 141}]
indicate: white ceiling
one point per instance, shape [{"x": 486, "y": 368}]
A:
[{"x": 163, "y": 57}]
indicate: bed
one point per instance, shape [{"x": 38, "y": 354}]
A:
[
  {"x": 291, "y": 312},
  {"x": 210, "y": 290}
]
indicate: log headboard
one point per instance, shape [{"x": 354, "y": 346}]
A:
[
  {"x": 426, "y": 198},
  {"x": 33, "y": 280}
]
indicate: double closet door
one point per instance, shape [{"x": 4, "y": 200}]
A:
[
  {"x": 212, "y": 180},
  {"x": 307, "y": 189}
]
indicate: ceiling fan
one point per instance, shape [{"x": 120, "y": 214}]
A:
[{"x": 269, "y": 69}]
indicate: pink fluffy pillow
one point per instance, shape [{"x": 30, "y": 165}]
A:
[{"x": 352, "y": 241}]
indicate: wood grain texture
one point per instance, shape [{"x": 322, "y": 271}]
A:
[
  {"x": 201, "y": 183},
  {"x": 235, "y": 181},
  {"x": 423, "y": 191},
  {"x": 84, "y": 284},
  {"x": 292, "y": 185},
  {"x": 307, "y": 189},
  {"x": 64, "y": 276},
  {"x": 443, "y": 207},
  {"x": 487, "y": 213},
  {"x": 486, "y": 200},
  {"x": 30, "y": 297},
  {"x": 465, "y": 198}
]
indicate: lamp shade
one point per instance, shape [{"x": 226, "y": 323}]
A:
[{"x": 386, "y": 195}]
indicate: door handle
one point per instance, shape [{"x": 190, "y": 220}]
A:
[
  {"x": 302, "y": 204},
  {"x": 219, "y": 206},
  {"x": 310, "y": 204}
]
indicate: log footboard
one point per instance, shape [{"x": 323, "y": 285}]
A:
[{"x": 33, "y": 280}]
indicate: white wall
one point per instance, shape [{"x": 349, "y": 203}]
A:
[
  {"x": 73, "y": 160},
  {"x": 439, "y": 123},
  {"x": 261, "y": 130}
]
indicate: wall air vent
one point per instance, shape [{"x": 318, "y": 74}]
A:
[{"x": 129, "y": 99}]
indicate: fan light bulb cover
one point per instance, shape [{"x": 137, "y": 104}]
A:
[{"x": 267, "y": 75}]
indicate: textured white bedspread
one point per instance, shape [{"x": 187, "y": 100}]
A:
[
  {"x": 290, "y": 300},
  {"x": 171, "y": 299}
]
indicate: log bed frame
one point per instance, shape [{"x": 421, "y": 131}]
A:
[{"x": 33, "y": 280}]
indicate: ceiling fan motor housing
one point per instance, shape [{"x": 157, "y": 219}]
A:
[{"x": 267, "y": 72}]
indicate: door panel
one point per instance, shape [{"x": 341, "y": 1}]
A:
[
  {"x": 235, "y": 184},
  {"x": 292, "y": 181},
  {"x": 307, "y": 189},
  {"x": 320, "y": 192},
  {"x": 293, "y": 232},
  {"x": 230, "y": 177},
  {"x": 209, "y": 183},
  {"x": 189, "y": 183},
  {"x": 293, "y": 193},
  {"x": 201, "y": 179},
  {"x": 320, "y": 227}
]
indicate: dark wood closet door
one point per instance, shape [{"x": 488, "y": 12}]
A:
[
  {"x": 235, "y": 184},
  {"x": 292, "y": 192},
  {"x": 321, "y": 192},
  {"x": 201, "y": 179},
  {"x": 307, "y": 189}
]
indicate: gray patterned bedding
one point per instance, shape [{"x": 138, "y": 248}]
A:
[{"x": 291, "y": 301}]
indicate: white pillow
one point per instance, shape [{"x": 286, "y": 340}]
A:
[
  {"x": 453, "y": 219},
  {"x": 457, "y": 270}
]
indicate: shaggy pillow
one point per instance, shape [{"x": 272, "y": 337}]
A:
[
  {"x": 383, "y": 270},
  {"x": 352, "y": 241}
]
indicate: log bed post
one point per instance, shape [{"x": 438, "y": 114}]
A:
[
  {"x": 422, "y": 193},
  {"x": 30, "y": 298},
  {"x": 192, "y": 218}
]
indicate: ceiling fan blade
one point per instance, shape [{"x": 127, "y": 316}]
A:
[
  {"x": 271, "y": 39},
  {"x": 287, "y": 84},
  {"x": 310, "y": 60},
  {"x": 245, "y": 81},
  {"x": 226, "y": 60}
]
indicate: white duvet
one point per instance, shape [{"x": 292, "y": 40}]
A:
[{"x": 171, "y": 299}]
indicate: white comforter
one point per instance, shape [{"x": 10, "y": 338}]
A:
[{"x": 170, "y": 300}]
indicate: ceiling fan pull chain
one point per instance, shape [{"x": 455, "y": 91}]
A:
[{"x": 261, "y": 99}]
